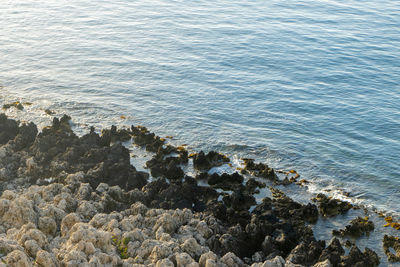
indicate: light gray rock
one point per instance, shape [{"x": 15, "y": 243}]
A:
[
  {"x": 183, "y": 259},
  {"x": 206, "y": 256},
  {"x": 44, "y": 258},
  {"x": 47, "y": 225},
  {"x": 231, "y": 259},
  {"x": 68, "y": 222},
  {"x": 325, "y": 263},
  {"x": 18, "y": 258},
  {"x": 165, "y": 263}
]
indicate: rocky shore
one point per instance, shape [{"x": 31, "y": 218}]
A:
[{"x": 78, "y": 201}]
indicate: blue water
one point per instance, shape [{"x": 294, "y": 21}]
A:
[{"x": 310, "y": 85}]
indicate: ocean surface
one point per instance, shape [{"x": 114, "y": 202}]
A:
[{"x": 306, "y": 85}]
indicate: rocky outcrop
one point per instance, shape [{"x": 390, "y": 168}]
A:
[
  {"x": 330, "y": 206},
  {"x": 77, "y": 201},
  {"x": 391, "y": 242},
  {"x": 202, "y": 161},
  {"x": 357, "y": 228}
]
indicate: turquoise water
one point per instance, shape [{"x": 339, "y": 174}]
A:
[{"x": 309, "y": 85}]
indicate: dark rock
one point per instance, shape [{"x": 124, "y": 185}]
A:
[
  {"x": 178, "y": 193},
  {"x": 276, "y": 226},
  {"x": 394, "y": 243},
  {"x": 166, "y": 167},
  {"x": 225, "y": 178},
  {"x": 289, "y": 209},
  {"x": 330, "y": 207},
  {"x": 260, "y": 170},
  {"x": 142, "y": 137},
  {"x": 217, "y": 209},
  {"x": 26, "y": 136},
  {"x": 333, "y": 252},
  {"x": 113, "y": 135},
  {"x": 306, "y": 254},
  {"x": 252, "y": 185},
  {"x": 357, "y": 228},
  {"x": 8, "y": 129},
  {"x": 202, "y": 161},
  {"x": 359, "y": 259},
  {"x": 16, "y": 105},
  {"x": 239, "y": 200}
]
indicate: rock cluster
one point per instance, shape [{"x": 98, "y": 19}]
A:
[
  {"x": 77, "y": 201},
  {"x": 391, "y": 242},
  {"x": 202, "y": 161},
  {"x": 57, "y": 152},
  {"x": 331, "y": 206},
  {"x": 356, "y": 228}
]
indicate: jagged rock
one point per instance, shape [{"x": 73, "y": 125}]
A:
[
  {"x": 333, "y": 252},
  {"x": 306, "y": 254},
  {"x": 207, "y": 256},
  {"x": 260, "y": 170},
  {"x": 330, "y": 206},
  {"x": 68, "y": 222},
  {"x": 8, "y": 129},
  {"x": 202, "y": 161},
  {"x": 357, "y": 228},
  {"x": 192, "y": 248},
  {"x": 394, "y": 243},
  {"x": 231, "y": 259},
  {"x": 165, "y": 263},
  {"x": 278, "y": 261},
  {"x": 77, "y": 201},
  {"x": 44, "y": 258},
  {"x": 183, "y": 259},
  {"x": 18, "y": 258},
  {"x": 26, "y": 136},
  {"x": 358, "y": 259},
  {"x": 325, "y": 263}
]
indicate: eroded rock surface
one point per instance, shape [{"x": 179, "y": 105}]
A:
[{"x": 77, "y": 201}]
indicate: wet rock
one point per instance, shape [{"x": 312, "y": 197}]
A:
[
  {"x": 114, "y": 135},
  {"x": 16, "y": 105},
  {"x": 166, "y": 163},
  {"x": 90, "y": 206},
  {"x": 8, "y": 129},
  {"x": 358, "y": 259},
  {"x": 224, "y": 181},
  {"x": 330, "y": 207},
  {"x": 202, "y": 161},
  {"x": 391, "y": 242},
  {"x": 333, "y": 252},
  {"x": 142, "y": 137},
  {"x": 289, "y": 209},
  {"x": 26, "y": 136},
  {"x": 357, "y": 228},
  {"x": 178, "y": 195},
  {"x": 260, "y": 170},
  {"x": 167, "y": 167},
  {"x": 239, "y": 201},
  {"x": 252, "y": 185},
  {"x": 49, "y": 112},
  {"x": 306, "y": 254}
]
